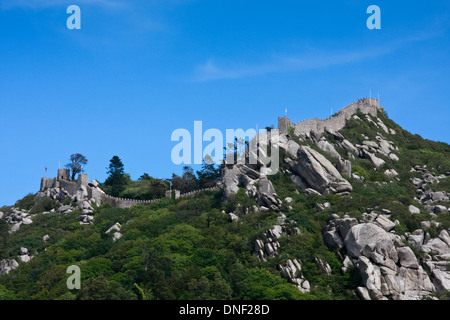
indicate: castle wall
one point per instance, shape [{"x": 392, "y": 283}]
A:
[
  {"x": 335, "y": 123},
  {"x": 47, "y": 183},
  {"x": 95, "y": 195},
  {"x": 126, "y": 203},
  {"x": 70, "y": 186},
  {"x": 99, "y": 196}
]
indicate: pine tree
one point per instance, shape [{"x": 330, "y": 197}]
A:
[{"x": 116, "y": 176}]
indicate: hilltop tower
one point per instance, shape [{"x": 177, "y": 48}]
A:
[{"x": 63, "y": 174}]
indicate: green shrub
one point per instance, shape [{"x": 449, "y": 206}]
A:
[
  {"x": 44, "y": 204},
  {"x": 26, "y": 202}
]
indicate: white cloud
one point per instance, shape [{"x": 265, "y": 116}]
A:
[{"x": 312, "y": 59}]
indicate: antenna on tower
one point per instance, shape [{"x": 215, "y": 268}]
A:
[
  {"x": 370, "y": 93},
  {"x": 285, "y": 112}
]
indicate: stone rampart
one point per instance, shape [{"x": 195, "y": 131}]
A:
[
  {"x": 70, "y": 186},
  {"x": 126, "y": 203},
  {"x": 47, "y": 183},
  {"x": 334, "y": 123}
]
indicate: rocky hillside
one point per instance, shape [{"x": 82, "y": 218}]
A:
[{"x": 358, "y": 213}]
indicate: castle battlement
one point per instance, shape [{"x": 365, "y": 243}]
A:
[
  {"x": 334, "y": 123},
  {"x": 72, "y": 188}
]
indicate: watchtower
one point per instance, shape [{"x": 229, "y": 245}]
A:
[
  {"x": 63, "y": 174},
  {"x": 82, "y": 180}
]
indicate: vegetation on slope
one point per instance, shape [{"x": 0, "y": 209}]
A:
[{"x": 189, "y": 248}]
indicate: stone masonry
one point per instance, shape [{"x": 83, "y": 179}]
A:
[{"x": 335, "y": 123}]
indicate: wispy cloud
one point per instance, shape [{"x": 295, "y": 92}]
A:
[{"x": 309, "y": 60}]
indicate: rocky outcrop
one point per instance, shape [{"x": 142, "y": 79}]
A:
[
  {"x": 369, "y": 149},
  {"x": 24, "y": 255},
  {"x": 7, "y": 265},
  {"x": 291, "y": 271},
  {"x": 390, "y": 269},
  {"x": 87, "y": 212},
  {"x": 344, "y": 166},
  {"x": 17, "y": 218},
  {"x": 256, "y": 184},
  {"x": 435, "y": 202},
  {"x": 231, "y": 178},
  {"x": 324, "y": 267},
  {"x": 324, "y": 145},
  {"x": 267, "y": 245},
  {"x": 116, "y": 231},
  {"x": 267, "y": 195},
  {"x": 378, "y": 162},
  {"x": 314, "y": 170}
]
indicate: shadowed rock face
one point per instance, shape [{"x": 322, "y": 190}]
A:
[{"x": 317, "y": 172}]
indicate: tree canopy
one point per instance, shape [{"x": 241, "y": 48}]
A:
[
  {"x": 116, "y": 176},
  {"x": 77, "y": 160}
]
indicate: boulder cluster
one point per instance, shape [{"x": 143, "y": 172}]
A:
[
  {"x": 79, "y": 199},
  {"x": 310, "y": 169},
  {"x": 291, "y": 271},
  {"x": 17, "y": 218},
  {"x": 389, "y": 269},
  {"x": 400, "y": 267},
  {"x": 435, "y": 202},
  {"x": 115, "y": 229},
  {"x": 6, "y": 265},
  {"x": 314, "y": 173},
  {"x": 267, "y": 246}
]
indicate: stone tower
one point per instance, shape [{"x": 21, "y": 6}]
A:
[
  {"x": 63, "y": 174},
  {"x": 82, "y": 180}
]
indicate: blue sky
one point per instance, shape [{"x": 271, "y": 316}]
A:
[{"x": 138, "y": 70}]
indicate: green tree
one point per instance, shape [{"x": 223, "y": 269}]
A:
[
  {"x": 116, "y": 176},
  {"x": 187, "y": 182},
  {"x": 209, "y": 173},
  {"x": 145, "y": 176},
  {"x": 102, "y": 289},
  {"x": 77, "y": 160}
]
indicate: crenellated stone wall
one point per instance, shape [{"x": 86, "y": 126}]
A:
[
  {"x": 334, "y": 123},
  {"x": 126, "y": 203},
  {"x": 93, "y": 192}
]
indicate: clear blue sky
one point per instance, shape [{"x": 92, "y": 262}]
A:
[{"x": 137, "y": 70}]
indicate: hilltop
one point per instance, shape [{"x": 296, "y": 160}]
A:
[{"x": 358, "y": 209}]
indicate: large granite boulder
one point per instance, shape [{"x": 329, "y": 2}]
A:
[
  {"x": 364, "y": 234},
  {"x": 231, "y": 180},
  {"x": 317, "y": 172}
]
